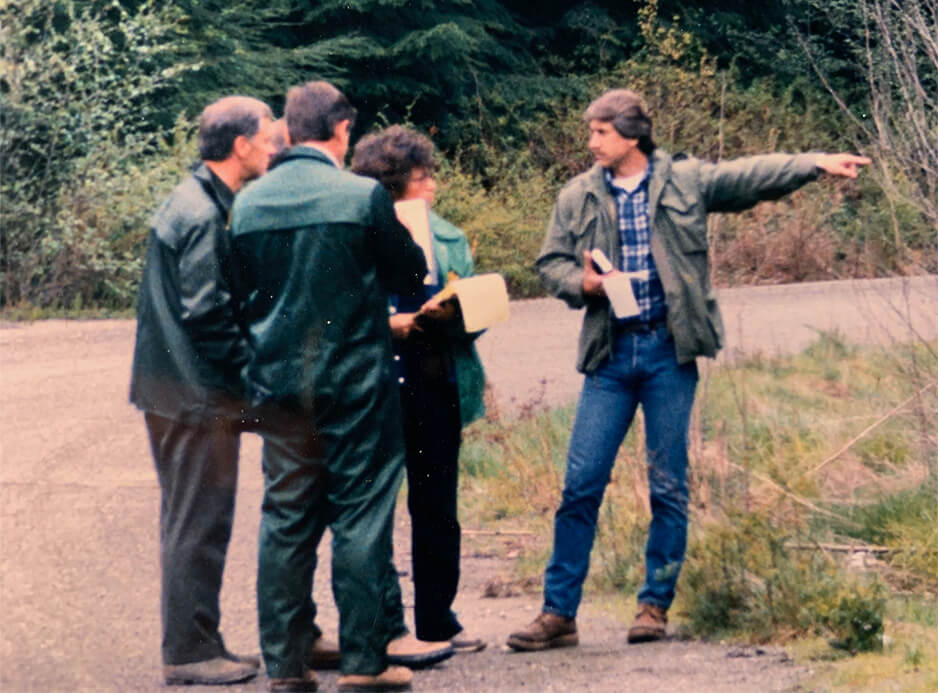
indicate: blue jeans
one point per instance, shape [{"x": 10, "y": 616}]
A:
[{"x": 642, "y": 369}]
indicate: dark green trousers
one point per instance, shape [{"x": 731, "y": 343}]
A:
[
  {"x": 344, "y": 476},
  {"x": 197, "y": 466}
]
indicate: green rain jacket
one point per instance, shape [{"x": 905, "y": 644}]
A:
[
  {"x": 451, "y": 253},
  {"x": 189, "y": 350},
  {"x": 681, "y": 192},
  {"x": 316, "y": 250}
]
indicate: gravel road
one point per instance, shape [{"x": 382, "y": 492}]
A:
[{"x": 79, "y": 584}]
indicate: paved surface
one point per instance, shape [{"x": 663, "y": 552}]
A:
[
  {"x": 79, "y": 584},
  {"x": 531, "y": 358}
]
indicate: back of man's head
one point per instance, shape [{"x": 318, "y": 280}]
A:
[
  {"x": 625, "y": 110},
  {"x": 225, "y": 120},
  {"x": 313, "y": 110}
]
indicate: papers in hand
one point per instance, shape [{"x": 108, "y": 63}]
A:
[
  {"x": 483, "y": 300},
  {"x": 618, "y": 285},
  {"x": 415, "y": 215}
]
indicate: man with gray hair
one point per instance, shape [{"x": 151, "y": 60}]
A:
[
  {"x": 634, "y": 229},
  {"x": 185, "y": 378}
]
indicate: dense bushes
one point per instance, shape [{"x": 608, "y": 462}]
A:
[
  {"x": 81, "y": 165},
  {"x": 87, "y": 87}
]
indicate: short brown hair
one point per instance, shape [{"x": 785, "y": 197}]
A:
[
  {"x": 225, "y": 120},
  {"x": 314, "y": 109},
  {"x": 625, "y": 110},
  {"x": 390, "y": 155}
]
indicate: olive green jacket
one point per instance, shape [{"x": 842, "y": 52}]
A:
[
  {"x": 451, "y": 253},
  {"x": 681, "y": 192}
]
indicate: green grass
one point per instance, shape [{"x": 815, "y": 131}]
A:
[
  {"x": 28, "y": 313},
  {"x": 792, "y": 460}
]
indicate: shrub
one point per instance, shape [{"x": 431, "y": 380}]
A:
[
  {"x": 742, "y": 579},
  {"x": 78, "y": 81},
  {"x": 505, "y": 222}
]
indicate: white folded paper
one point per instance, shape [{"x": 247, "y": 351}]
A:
[
  {"x": 618, "y": 288},
  {"x": 415, "y": 215},
  {"x": 618, "y": 285}
]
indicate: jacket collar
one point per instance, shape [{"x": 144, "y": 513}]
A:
[
  {"x": 215, "y": 187},
  {"x": 302, "y": 151}
]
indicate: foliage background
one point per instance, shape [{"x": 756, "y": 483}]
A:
[{"x": 99, "y": 97}]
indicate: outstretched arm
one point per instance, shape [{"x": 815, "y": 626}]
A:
[{"x": 847, "y": 165}]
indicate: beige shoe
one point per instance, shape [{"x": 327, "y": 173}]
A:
[
  {"x": 463, "y": 643},
  {"x": 324, "y": 654},
  {"x": 417, "y": 654},
  {"x": 650, "y": 624},
  {"x": 299, "y": 684},
  {"x": 391, "y": 679},
  {"x": 546, "y": 631},
  {"x": 215, "y": 671}
]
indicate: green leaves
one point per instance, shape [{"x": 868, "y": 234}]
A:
[{"x": 80, "y": 83}]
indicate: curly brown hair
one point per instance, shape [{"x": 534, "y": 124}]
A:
[{"x": 390, "y": 155}]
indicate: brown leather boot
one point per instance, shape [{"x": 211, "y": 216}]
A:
[
  {"x": 391, "y": 679},
  {"x": 650, "y": 624},
  {"x": 547, "y": 630}
]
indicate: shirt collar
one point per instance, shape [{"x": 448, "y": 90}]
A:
[
  {"x": 613, "y": 188},
  {"x": 320, "y": 148}
]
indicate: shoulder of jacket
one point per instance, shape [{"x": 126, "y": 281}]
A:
[
  {"x": 578, "y": 186},
  {"x": 187, "y": 206},
  {"x": 357, "y": 183},
  {"x": 683, "y": 164},
  {"x": 445, "y": 230}
]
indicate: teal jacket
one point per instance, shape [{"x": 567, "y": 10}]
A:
[
  {"x": 681, "y": 192},
  {"x": 451, "y": 253}
]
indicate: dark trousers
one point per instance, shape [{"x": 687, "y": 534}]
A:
[
  {"x": 197, "y": 467},
  {"x": 345, "y": 477},
  {"x": 432, "y": 433}
]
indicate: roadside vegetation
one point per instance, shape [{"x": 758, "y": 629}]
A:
[
  {"x": 814, "y": 508},
  {"x": 99, "y": 99}
]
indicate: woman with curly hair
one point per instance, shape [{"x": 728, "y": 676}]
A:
[{"x": 441, "y": 383}]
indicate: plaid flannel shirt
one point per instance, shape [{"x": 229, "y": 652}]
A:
[{"x": 635, "y": 239}]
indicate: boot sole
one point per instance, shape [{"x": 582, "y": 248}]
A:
[
  {"x": 570, "y": 640},
  {"x": 469, "y": 649},
  {"x": 419, "y": 661},
  {"x": 645, "y": 636},
  {"x": 372, "y": 687},
  {"x": 205, "y": 681}
]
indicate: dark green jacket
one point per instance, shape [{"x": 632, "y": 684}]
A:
[
  {"x": 316, "y": 250},
  {"x": 451, "y": 253},
  {"x": 189, "y": 350},
  {"x": 681, "y": 192}
]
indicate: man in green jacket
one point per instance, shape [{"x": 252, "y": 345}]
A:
[
  {"x": 316, "y": 251},
  {"x": 187, "y": 356},
  {"x": 647, "y": 213}
]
